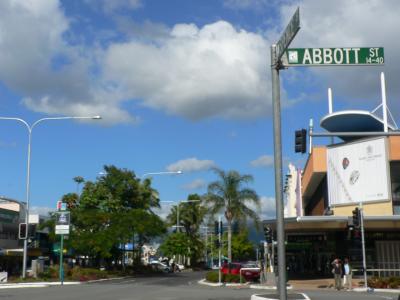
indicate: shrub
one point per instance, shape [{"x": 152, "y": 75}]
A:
[
  {"x": 50, "y": 273},
  {"x": 384, "y": 282},
  {"x": 212, "y": 276},
  {"x": 85, "y": 274},
  {"x": 231, "y": 278}
]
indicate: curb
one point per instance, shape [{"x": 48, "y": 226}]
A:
[
  {"x": 204, "y": 282},
  {"x": 35, "y": 284},
  {"x": 267, "y": 287},
  {"x": 372, "y": 290},
  {"x": 237, "y": 284},
  {"x": 260, "y": 297},
  {"x": 50, "y": 283}
]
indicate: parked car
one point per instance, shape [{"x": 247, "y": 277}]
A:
[
  {"x": 160, "y": 266},
  {"x": 251, "y": 271},
  {"x": 180, "y": 267}
]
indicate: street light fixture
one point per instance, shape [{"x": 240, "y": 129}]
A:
[
  {"x": 161, "y": 173},
  {"x": 30, "y": 128}
]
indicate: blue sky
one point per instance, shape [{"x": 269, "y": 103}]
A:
[{"x": 180, "y": 85}]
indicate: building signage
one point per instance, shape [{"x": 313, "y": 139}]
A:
[
  {"x": 333, "y": 56},
  {"x": 358, "y": 172}
]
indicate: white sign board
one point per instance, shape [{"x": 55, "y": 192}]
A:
[
  {"x": 62, "y": 229},
  {"x": 358, "y": 172}
]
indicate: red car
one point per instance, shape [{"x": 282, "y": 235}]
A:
[{"x": 250, "y": 272}]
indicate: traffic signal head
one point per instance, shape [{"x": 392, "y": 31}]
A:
[
  {"x": 300, "y": 141},
  {"x": 356, "y": 217},
  {"x": 268, "y": 234},
  {"x": 23, "y": 231}
]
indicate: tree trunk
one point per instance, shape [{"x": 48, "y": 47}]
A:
[{"x": 229, "y": 240}]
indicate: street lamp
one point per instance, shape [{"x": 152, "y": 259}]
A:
[
  {"x": 160, "y": 173},
  {"x": 30, "y": 128}
]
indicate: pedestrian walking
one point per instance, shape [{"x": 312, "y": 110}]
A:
[
  {"x": 337, "y": 273},
  {"x": 347, "y": 274}
]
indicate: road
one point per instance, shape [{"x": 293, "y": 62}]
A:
[{"x": 181, "y": 286}]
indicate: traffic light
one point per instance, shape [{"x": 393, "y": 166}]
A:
[
  {"x": 356, "y": 217},
  {"x": 32, "y": 231},
  {"x": 221, "y": 227},
  {"x": 300, "y": 141},
  {"x": 22, "y": 232},
  {"x": 268, "y": 234},
  {"x": 218, "y": 228}
]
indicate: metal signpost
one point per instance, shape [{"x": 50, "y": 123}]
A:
[
  {"x": 282, "y": 57},
  {"x": 62, "y": 227},
  {"x": 276, "y": 53},
  {"x": 219, "y": 249}
]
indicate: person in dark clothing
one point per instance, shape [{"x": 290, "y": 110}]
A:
[{"x": 337, "y": 273}]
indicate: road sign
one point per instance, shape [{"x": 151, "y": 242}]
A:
[
  {"x": 350, "y": 56},
  {"x": 290, "y": 32},
  {"x": 62, "y": 229},
  {"x": 62, "y": 222}
]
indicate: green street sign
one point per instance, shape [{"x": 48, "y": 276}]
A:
[
  {"x": 291, "y": 30},
  {"x": 333, "y": 57}
]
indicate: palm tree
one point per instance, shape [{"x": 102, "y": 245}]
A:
[
  {"x": 78, "y": 180},
  {"x": 228, "y": 194}
]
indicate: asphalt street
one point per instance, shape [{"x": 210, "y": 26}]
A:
[{"x": 181, "y": 286}]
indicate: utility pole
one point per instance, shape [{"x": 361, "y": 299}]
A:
[{"x": 363, "y": 245}]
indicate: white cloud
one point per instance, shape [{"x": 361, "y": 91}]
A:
[
  {"x": 197, "y": 73},
  {"x": 353, "y": 23},
  {"x": 113, "y": 5},
  {"x": 164, "y": 210},
  {"x": 268, "y": 207},
  {"x": 52, "y": 76},
  {"x": 263, "y": 161},
  {"x": 191, "y": 165},
  {"x": 195, "y": 184},
  {"x": 41, "y": 210},
  {"x": 246, "y": 4},
  {"x": 216, "y": 70}
]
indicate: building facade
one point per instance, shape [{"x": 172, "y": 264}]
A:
[{"x": 336, "y": 179}]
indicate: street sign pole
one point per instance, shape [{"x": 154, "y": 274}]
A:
[
  {"x": 363, "y": 245},
  {"x": 277, "y": 51},
  {"x": 278, "y": 174},
  {"x": 219, "y": 250},
  {"x": 61, "y": 260}
]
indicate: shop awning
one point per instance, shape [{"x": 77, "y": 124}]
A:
[{"x": 312, "y": 223}]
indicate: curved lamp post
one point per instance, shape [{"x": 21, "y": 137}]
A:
[
  {"x": 161, "y": 173},
  {"x": 30, "y": 128}
]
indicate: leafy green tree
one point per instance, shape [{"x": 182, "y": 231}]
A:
[
  {"x": 111, "y": 211},
  {"x": 242, "y": 248},
  {"x": 229, "y": 195},
  {"x": 191, "y": 216},
  {"x": 176, "y": 243}
]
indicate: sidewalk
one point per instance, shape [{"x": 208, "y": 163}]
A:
[{"x": 307, "y": 284}]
